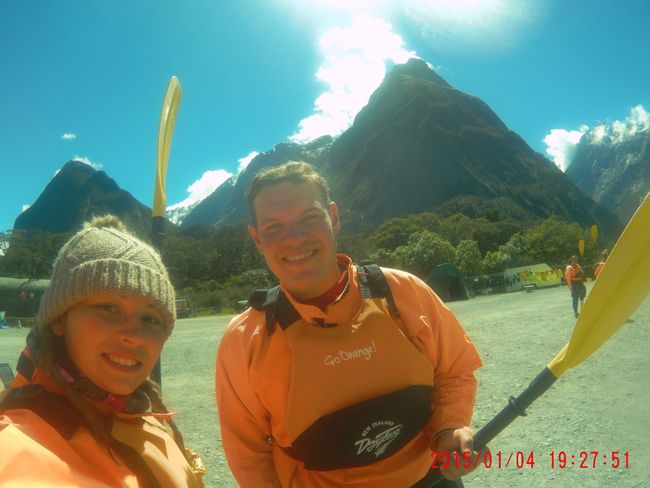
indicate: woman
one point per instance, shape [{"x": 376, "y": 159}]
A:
[{"x": 82, "y": 411}]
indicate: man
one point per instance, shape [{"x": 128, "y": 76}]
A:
[
  {"x": 574, "y": 280},
  {"x": 326, "y": 385}
]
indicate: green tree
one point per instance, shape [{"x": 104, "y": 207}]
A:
[
  {"x": 424, "y": 251},
  {"x": 31, "y": 254},
  {"x": 517, "y": 249},
  {"x": 496, "y": 262},
  {"x": 237, "y": 253},
  {"x": 383, "y": 257},
  {"x": 396, "y": 231},
  {"x": 256, "y": 278},
  {"x": 189, "y": 260},
  {"x": 488, "y": 235},
  {"x": 553, "y": 241},
  {"x": 468, "y": 257}
]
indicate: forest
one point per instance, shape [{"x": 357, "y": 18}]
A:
[{"x": 214, "y": 268}]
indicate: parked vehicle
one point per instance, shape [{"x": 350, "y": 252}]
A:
[
  {"x": 183, "y": 309},
  {"x": 20, "y": 297}
]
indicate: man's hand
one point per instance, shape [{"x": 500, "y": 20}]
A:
[{"x": 462, "y": 441}]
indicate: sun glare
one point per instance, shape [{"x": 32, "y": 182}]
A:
[
  {"x": 446, "y": 25},
  {"x": 488, "y": 25}
]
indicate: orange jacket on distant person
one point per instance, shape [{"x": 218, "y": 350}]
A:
[
  {"x": 598, "y": 269},
  {"x": 34, "y": 454},
  {"x": 573, "y": 273},
  {"x": 261, "y": 412}
]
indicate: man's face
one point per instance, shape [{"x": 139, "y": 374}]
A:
[{"x": 296, "y": 233}]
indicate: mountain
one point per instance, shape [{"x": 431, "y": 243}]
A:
[
  {"x": 209, "y": 209},
  {"x": 76, "y": 194},
  {"x": 228, "y": 203},
  {"x": 178, "y": 214},
  {"x": 614, "y": 170},
  {"x": 418, "y": 144}
]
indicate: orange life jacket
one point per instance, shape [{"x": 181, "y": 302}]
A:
[{"x": 358, "y": 392}]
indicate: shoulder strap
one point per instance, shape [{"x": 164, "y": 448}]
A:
[
  {"x": 54, "y": 409},
  {"x": 276, "y": 307},
  {"x": 25, "y": 366},
  {"x": 135, "y": 461},
  {"x": 374, "y": 284}
]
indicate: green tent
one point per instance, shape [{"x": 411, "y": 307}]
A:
[{"x": 447, "y": 281}]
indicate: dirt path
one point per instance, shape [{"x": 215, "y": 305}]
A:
[{"x": 603, "y": 405}]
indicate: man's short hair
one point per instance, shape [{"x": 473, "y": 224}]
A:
[{"x": 296, "y": 172}]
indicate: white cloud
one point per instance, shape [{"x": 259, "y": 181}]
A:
[
  {"x": 562, "y": 145},
  {"x": 358, "y": 41},
  {"x": 637, "y": 121},
  {"x": 597, "y": 134},
  {"x": 245, "y": 161},
  {"x": 354, "y": 64},
  {"x": 204, "y": 187},
  {"x": 620, "y": 131},
  {"x": 640, "y": 117},
  {"x": 68, "y": 136},
  {"x": 85, "y": 160},
  {"x": 201, "y": 188}
]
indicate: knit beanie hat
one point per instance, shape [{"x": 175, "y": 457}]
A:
[{"x": 103, "y": 257}]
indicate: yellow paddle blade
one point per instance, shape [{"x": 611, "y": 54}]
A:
[
  {"x": 165, "y": 131},
  {"x": 594, "y": 232},
  {"x": 581, "y": 247},
  {"x": 621, "y": 286}
]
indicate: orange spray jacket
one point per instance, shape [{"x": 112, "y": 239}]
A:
[
  {"x": 599, "y": 268},
  {"x": 273, "y": 389},
  {"x": 37, "y": 454},
  {"x": 572, "y": 273}
]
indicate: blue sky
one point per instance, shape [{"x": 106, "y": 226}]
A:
[{"x": 85, "y": 79}]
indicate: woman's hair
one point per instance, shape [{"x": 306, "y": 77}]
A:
[
  {"x": 48, "y": 351},
  {"x": 102, "y": 257}
]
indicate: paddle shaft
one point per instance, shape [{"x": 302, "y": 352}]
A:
[
  {"x": 516, "y": 407},
  {"x": 157, "y": 237},
  {"x": 167, "y": 120}
]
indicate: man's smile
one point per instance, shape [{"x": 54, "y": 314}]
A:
[{"x": 295, "y": 258}]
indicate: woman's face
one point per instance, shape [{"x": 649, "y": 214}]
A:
[{"x": 114, "y": 339}]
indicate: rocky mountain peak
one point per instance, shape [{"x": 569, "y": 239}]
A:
[
  {"x": 77, "y": 193},
  {"x": 417, "y": 68}
]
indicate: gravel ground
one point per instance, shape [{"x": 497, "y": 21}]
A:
[{"x": 602, "y": 405}]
